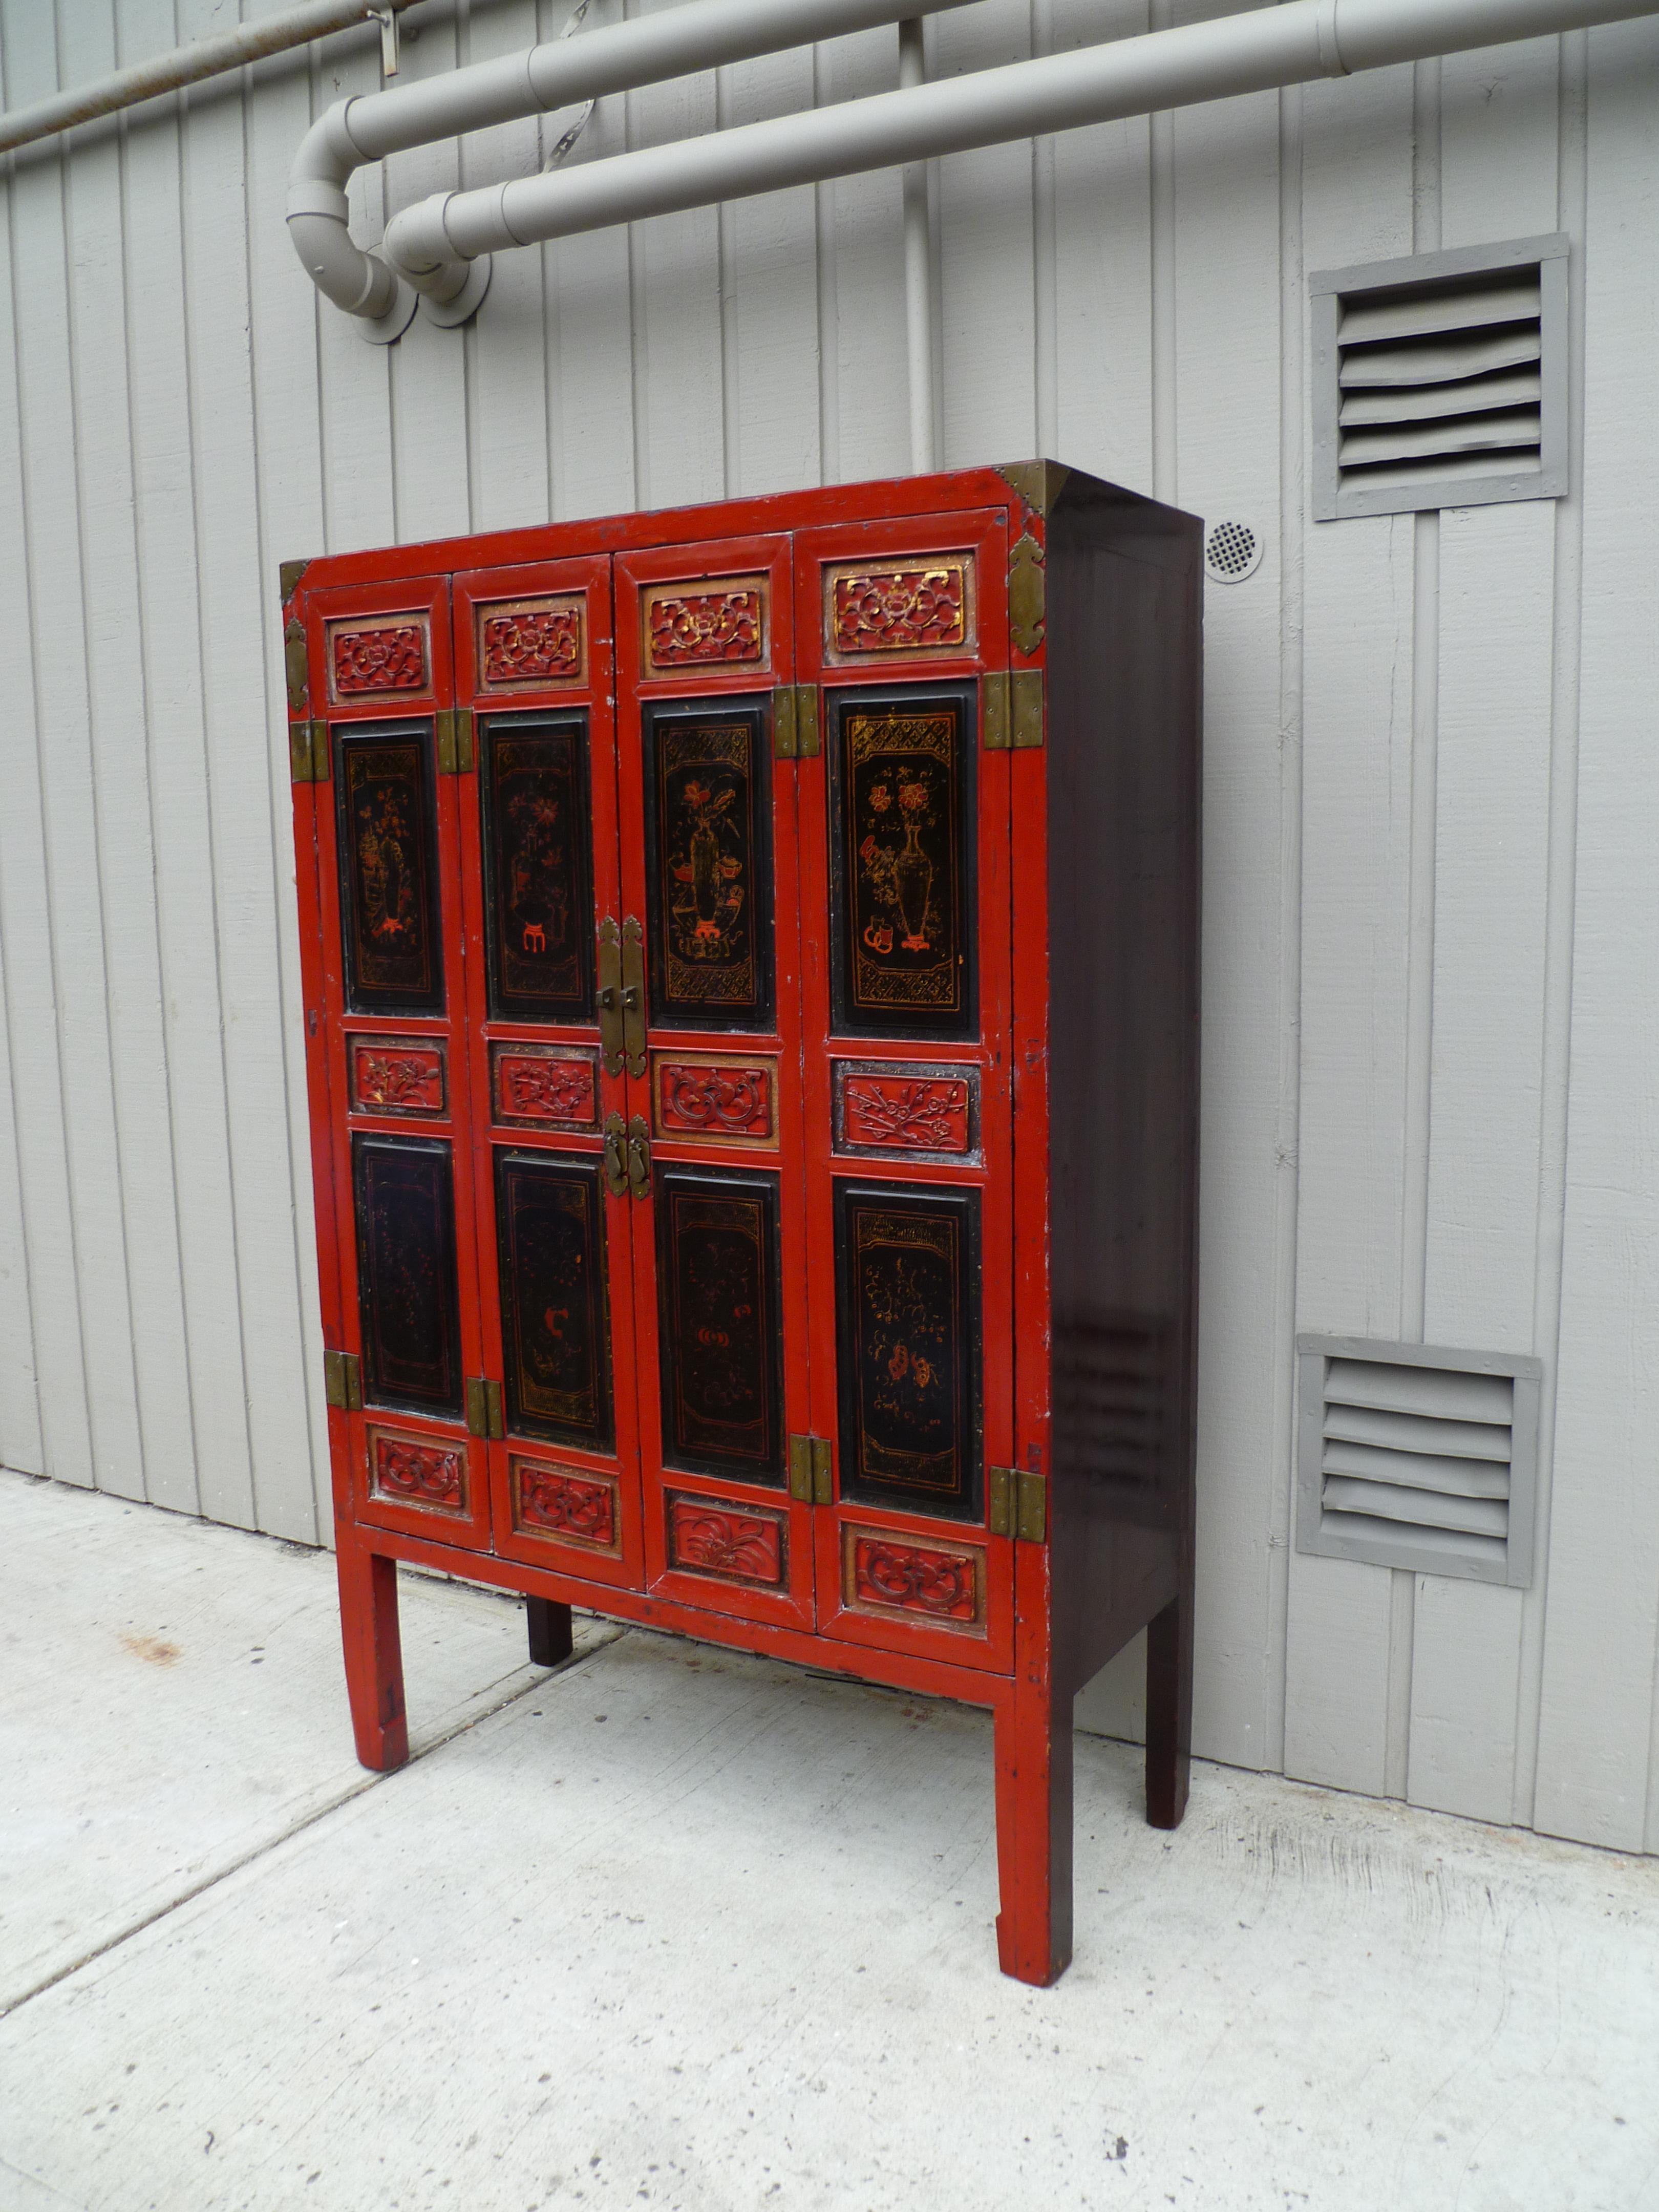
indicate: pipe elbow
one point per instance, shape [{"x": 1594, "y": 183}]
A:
[
  {"x": 418, "y": 246},
  {"x": 357, "y": 283},
  {"x": 328, "y": 153}
]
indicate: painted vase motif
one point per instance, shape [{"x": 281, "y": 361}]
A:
[{"x": 913, "y": 872}]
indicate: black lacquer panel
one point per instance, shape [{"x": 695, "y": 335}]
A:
[
  {"x": 386, "y": 831},
  {"x": 720, "y": 1323},
  {"x": 708, "y": 863},
  {"x": 538, "y": 846},
  {"x": 907, "y": 1346},
  {"x": 407, "y": 1292},
  {"x": 902, "y": 862},
  {"x": 556, "y": 1315}
]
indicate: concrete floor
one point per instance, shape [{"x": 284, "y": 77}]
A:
[{"x": 679, "y": 1928}]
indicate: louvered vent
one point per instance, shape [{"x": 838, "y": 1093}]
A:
[
  {"x": 1414, "y": 1457},
  {"x": 1440, "y": 380}
]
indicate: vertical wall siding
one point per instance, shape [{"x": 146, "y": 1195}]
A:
[{"x": 1430, "y": 1025}]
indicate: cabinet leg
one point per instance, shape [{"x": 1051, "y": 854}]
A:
[
  {"x": 1033, "y": 1836},
  {"x": 1170, "y": 1711},
  {"x": 374, "y": 1657},
  {"x": 550, "y": 1637}
]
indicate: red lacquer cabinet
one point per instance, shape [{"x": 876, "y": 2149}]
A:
[{"x": 750, "y": 962}]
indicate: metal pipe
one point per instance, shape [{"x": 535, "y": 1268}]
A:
[
  {"x": 186, "y": 65},
  {"x": 671, "y": 42},
  {"x": 918, "y": 268},
  {"x": 1290, "y": 44}
]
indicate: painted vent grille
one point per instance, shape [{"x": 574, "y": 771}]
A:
[
  {"x": 1410, "y": 1456},
  {"x": 1440, "y": 380}
]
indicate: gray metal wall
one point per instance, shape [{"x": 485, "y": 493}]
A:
[{"x": 1432, "y": 796}]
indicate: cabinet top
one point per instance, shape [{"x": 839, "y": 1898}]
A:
[{"x": 1037, "y": 488}]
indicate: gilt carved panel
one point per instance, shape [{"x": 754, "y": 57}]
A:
[
  {"x": 532, "y": 644},
  {"x": 417, "y": 1470},
  {"x": 904, "y": 609},
  {"x": 571, "y": 1506},
  {"x": 716, "y": 1099},
  {"x": 722, "y": 623},
  {"x": 405, "y": 1076},
  {"x": 887, "y": 1109},
  {"x": 538, "y": 1086},
  {"x": 883, "y": 1573},
  {"x": 376, "y": 656},
  {"x": 729, "y": 1543}
]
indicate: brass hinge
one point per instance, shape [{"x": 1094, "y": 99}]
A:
[
  {"x": 639, "y": 1157},
  {"x": 455, "y": 752},
  {"x": 993, "y": 713},
  {"x": 795, "y": 721},
  {"x": 288, "y": 574},
  {"x": 633, "y": 994},
  {"x": 342, "y": 1381},
  {"x": 299, "y": 679},
  {"x": 1011, "y": 709},
  {"x": 1027, "y": 595},
  {"x": 811, "y": 1471},
  {"x": 1025, "y": 717},
  {"x": 307, "y": 752},
  {"x": 483, "y": 1407},
  {"x": 1017, "y": 1503}
]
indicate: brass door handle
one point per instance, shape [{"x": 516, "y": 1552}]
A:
[
  {"x": 611, "y": 996},
  {"x": 616, "y": 1155},
  {"x": 633, "y": 995},
  {"x": 639, "y": 1157}
]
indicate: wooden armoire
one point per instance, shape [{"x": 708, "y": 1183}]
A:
[{"x": 750, "y": 982}]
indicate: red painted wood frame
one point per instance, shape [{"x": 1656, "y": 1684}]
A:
[
  {"x": 870, "y": 557},
  {"x": 703, "y": 629},
  {"x": 535, "y": 642},
  {"x": 384, "y": 671}
]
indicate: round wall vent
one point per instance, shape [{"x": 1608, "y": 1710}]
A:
[{"x": 1232, "y": 552}]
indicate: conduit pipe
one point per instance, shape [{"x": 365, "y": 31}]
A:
[
  {"x": 1294, "y": 43},
  {"x": 673, "y": 42},
  {"x": 187, "y": 64}
]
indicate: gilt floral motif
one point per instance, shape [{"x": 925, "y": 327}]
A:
[
  {"x": 904, "y": 1113},
  {"x": 392, "y": 1077},
  {"x": 532, "y": 645},
  {"x": 901, "y": 610},
  {"x": 712, "y": 1540},
  {"x": 540, "y": 1086},
  {"x": 692, "y": 628},
  {"x": 389, "y": 658}
]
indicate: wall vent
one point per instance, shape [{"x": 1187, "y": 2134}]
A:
[
  {"x": 1441, "y": 379},
  {"x": 1413, "y": 1457}
]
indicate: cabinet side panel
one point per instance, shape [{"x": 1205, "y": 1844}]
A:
[{"x": 1123, "y": 759}]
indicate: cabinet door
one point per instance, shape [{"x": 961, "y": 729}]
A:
[
  {"x": 714, "y": 1128},
  {"x": 906, "y": 920},
  {"x": 401, "y": 1313},
  {"x": 534, "y": 665}
]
